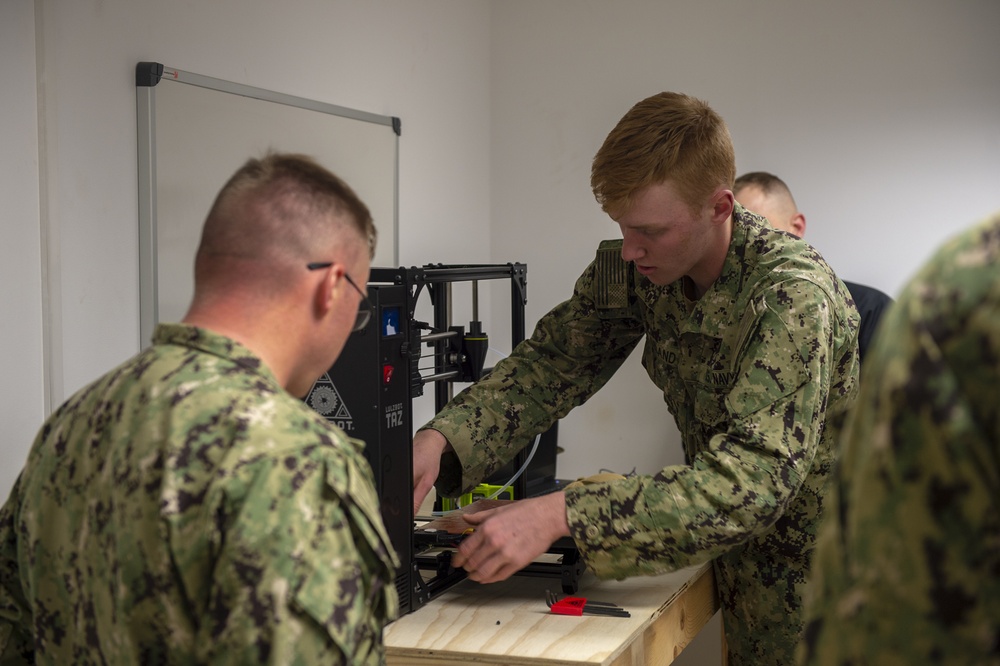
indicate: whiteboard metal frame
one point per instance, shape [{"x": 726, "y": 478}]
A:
[{"x": 147, "y": 76}]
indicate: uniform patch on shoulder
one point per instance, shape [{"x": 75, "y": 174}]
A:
[{"x": 613, "y": 282}]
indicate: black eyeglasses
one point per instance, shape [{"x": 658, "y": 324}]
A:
[{"x": 364, "y": 309}]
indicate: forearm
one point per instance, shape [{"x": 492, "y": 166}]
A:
[{"x": 732, "y": 492}]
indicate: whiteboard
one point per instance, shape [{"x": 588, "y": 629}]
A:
[{"x": 196, "y": 131}]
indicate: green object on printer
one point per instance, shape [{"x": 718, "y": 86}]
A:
[{"x": 482, "y": 491}]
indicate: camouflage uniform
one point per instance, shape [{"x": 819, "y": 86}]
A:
[
  {"x": 749, "y": 372},
  {"x": 907, "y": 565},
  {"x": 185, "y": 508}
]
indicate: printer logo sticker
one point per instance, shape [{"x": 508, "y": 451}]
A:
[{"x": 325, "y": 399}]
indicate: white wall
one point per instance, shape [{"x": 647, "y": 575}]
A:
[{"x": 22, "y": 398}]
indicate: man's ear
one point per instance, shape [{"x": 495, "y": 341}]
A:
[
  {"x": 798, "y": 225},
  {"x": 722, "y": 203},
  {"x": 324, "y": 293}
]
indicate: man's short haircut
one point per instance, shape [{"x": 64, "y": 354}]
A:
[
  {"x": 767, "y": 182},
  {"x": 669, "y": 136},
  {"x": 283, "y": 205}
]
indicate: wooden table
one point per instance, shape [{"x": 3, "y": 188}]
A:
[{"x": 509, "y": 623}]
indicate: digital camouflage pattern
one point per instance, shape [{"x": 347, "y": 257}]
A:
[
  {"x": 184, "y": 509},
  {"x": 750, "y": 372},
  {"x": 907, "y": 567}
]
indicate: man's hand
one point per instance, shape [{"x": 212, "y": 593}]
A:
[
  {"x": 508, "y": 538},
  {"x": 428, "y": 445}
]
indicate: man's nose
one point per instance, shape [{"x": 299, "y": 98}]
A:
[{"x": 631, "y": 248}]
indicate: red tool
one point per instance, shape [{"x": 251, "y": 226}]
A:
[{"x": 580, "y": 605}]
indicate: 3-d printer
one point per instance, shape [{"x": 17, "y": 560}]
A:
[{"x": 369, "y": 391}]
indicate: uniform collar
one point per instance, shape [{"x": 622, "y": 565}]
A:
[{"x": 215, "y": 344}]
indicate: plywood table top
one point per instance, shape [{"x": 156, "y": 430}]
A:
[{"x": 509, "y": 623}]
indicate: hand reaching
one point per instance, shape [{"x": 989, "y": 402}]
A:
[
  {"x": 428, "y": 445},
  {"x": 508, "y": 538}
]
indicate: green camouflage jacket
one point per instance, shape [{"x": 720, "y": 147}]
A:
[
  {"x": 185, "y": 509},
  {"x": 750, "y": 372},
  {"x": 907, "y": 565}
]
